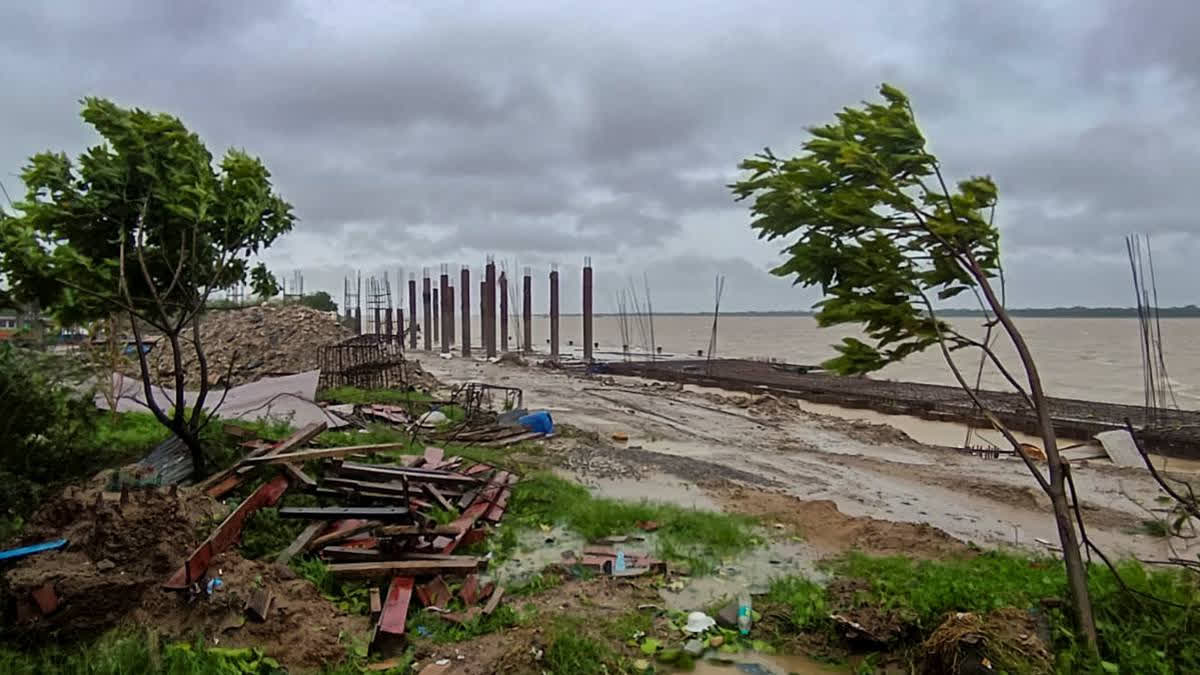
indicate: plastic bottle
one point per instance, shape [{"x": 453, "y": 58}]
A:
[
  {"x": 744, "y": 618},
  {"x": 619, "y": 565}
]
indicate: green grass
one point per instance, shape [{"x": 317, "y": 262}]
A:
[
  {"x": 573, "y": 652},
  {"x": 352, "y": 597},
  {"x": 699, "y": 537},
  {"x": 440, "y": 631},
  {"x": 535, "y": 584},
  {"x": 1137, "y": 635},
  {"x": 375, "y": 434},
  {"x": 803, "y": 602},
  {"x": 126, "y": 433},
  {"x": 356, "y": 396}
]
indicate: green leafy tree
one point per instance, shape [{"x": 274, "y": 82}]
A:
[
  {"x": 263, "y": 283},
  {"x": 869, "y": 219},
  {"x": 320, "y": 301},
  {"x": 144, "y": 225}
]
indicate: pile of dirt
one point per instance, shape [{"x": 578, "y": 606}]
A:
[
  {"x": 119, "y": 555},
  {"x": 272, "y": 339},
  {"x": 821, "y": 524}
]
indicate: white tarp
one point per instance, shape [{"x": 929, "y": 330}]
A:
[
  {"x": 289, "y": 398},
  {"x": 1120, "y": 447}
]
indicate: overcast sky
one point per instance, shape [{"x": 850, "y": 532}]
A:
[{"x": 545, "y": 132}]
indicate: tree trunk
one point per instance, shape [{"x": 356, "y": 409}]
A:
[
  {"x": 192, "y": 441},
  {"x": 1072, "y": 558}
]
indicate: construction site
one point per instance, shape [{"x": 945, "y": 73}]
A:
[{"x": 407, "y": 497}]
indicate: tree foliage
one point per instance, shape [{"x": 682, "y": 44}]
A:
[
  {"x": 148, "y": 194},
  {"x": 320, "y": 300},
  {"x": 870, "y": 230},
  {"x": 143, "y": 224},
  {"x": 871, "y": 220}
]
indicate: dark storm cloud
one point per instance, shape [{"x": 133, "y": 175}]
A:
[{"x": 549, "y": 132}]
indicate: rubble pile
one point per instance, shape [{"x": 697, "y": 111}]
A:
[{"x": 272, "y": 339}]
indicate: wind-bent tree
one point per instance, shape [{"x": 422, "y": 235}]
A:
[
  {"x": 142, "y": 225},
  {"x": 869, "y": 218}
]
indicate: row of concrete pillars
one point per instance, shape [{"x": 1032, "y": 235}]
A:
[{"x": 438, "y": 312}]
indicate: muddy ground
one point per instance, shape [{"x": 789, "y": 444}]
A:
[{"x": 688, "y": 441}]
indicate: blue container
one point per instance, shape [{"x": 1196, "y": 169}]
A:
[{"x": 539, "y": 421}]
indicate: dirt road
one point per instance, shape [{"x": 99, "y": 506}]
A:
[{"x": 699, "y": 435}]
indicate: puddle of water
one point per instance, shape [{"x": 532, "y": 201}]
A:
[
  {"x": 536, "y": 550},
  {"x": 762, "y": 664},
  {"x": 653, "y": 487},
  {"x": 751, "y": 571}
]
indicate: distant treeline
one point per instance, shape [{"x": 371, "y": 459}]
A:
[{"x": 1187, "y": 311}]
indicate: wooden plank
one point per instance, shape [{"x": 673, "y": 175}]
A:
[
  {"x": 512, "y": 440},
  {"x": 300, "y": 437},
  {"x": 395, "y": 609},
  {"x": 224, "y": 487},
  {"x": 438, "y": 497},
  {"x": 470, "y": 590},
  {"x": 494, "y": 602},
  {"x": 414, "y": 531},
  {"x": 226, "y": 534},
  {"x": 434, "y": 456},
  {"x": 435, "y": 593},
  {"x": 300, "y": 542},
  {"x": 323, "y": 453},
  {"x": 298, "y": 476},
  {"x": 376, "y": 473},
  {"x": 343, "y": 531},
  {"x": 478, "y": 468},
  {"x": 259, "y": 604},
  {"x": 376, "y": 602},
  {"x": 351, "y": 553},
  {"x": 477, "y": 510},
  {"x": 337, "y": 512},
  {"x": 462, "y": 565}
]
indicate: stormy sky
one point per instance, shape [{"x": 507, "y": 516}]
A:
[{"x": 412, "y": 134}]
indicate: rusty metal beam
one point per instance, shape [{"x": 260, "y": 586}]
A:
[{"x": 395, "y": 607}]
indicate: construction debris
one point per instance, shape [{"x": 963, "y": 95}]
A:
[{"x": 259, "y": 342}]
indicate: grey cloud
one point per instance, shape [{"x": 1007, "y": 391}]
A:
[{"x": 548, "y": 132}]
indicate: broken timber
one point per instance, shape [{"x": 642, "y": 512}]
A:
[
  {"x": 459, "y": 565},
  {"x": 301, "y": 542},
  {"x": 226, "y": 534},
  {"x": 323, "y": 453},
  {"x": 337, "y": 512},
  {"x": 222, "y": 482}
]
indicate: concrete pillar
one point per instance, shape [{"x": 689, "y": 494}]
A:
[
  {"x": 465, "y": 285},
  {"x": 378, "y": 320},
  {"x": 503, "y": 311},
  {"x": 400, "y": 325},
  {"x": 437, "y": 315},
  {"x": 427, "y": 314},
  {"x": 387, "y": 321},
  {"x": 412, "y": 311},
  {"x": 450, "y": 320},
  {"x": 554, "y": 313},
  {"x": 444, "y": 309},
  {"x": 527, "y": 312},
  {"x": 587, "y": 309},
  {"x": 490, "y": 306}
]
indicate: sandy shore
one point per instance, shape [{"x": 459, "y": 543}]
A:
[{"x": 706, "y": 447}]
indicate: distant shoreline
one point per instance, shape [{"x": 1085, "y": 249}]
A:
[{"x": 1186, "y": 312}]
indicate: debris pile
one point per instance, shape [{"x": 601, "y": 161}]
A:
[{"x": 271, "y": 339}]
